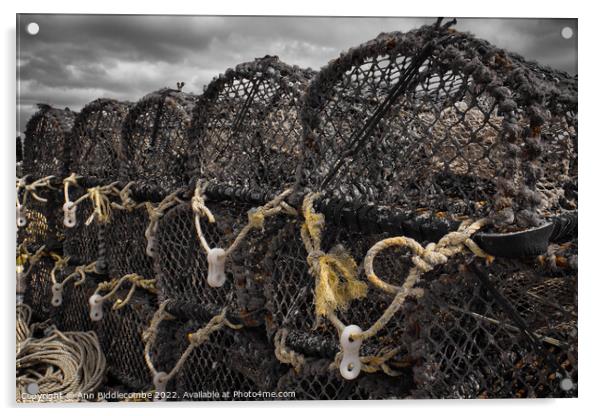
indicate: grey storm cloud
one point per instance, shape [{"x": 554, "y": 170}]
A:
[{"x": 75, "y": 59}]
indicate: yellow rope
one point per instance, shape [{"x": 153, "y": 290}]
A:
[
  {"x": 112, "y": 286},
  {"x": 336, "y": 272},
  {"x": 284, "y": 354}
]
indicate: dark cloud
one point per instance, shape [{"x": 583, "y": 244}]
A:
[{"x": 77, "y": 58}]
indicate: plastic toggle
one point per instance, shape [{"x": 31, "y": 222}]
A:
[
  {"x": 57, "y": 294},
  {"x": 70, "y": 218},
  {"x": 216, "y": 260},
  {"x": 96, "y": 307},
  {"x": 151, "y": 241},
  {"x": 351, "y": 364},
  {"x": 21, "y": 219},
  {"x": 160, "y": 383}
]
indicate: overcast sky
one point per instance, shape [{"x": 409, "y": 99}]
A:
[{"x": 75, "y": 59}]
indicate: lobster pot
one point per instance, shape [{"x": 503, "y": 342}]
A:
[
  {"x": 95, "y": 149},
  {"x": 247, "y": 135},
  {"x": 154, "y": 142},
  {"x": 120, "y": 333},
  {"x": 230, "y": 365},
  {"x": 126, "y": 244},
  {"x": 84, "y": 242},
  {"x": 291, "y": 294},
  {"x": 38, "y": 291},
  {"x": 317, "y": 380},
  {"x": 513, "y": 337},
  {"x": 436, "y": 123},
  {"x": 47, "y": 142}
]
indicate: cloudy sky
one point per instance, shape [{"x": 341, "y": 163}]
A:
[{"x": 75, "y": 59}]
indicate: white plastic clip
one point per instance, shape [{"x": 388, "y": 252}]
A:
[
  {"x": 21, "y": 218},
  {"x": 351, "y": 364},
  {"x": 151, "y": 240},
  {"x": 69, "y": 211},
  {"x": 96, "y": 307},
  {"x": 160, "y": 382},
  {"x": 216, "y": 261},
  {"x": 57, "y": 294}
]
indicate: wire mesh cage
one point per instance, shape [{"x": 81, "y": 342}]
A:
[
  {"x": 120, "y": 333},
  {"x": 84, "y": 241},
  {"x": 468, "y": 120},
  {"x": 47, "y": 141},
  {"x": 95, "y": 149},
  {"x": 73, "y": 313},
  {"x": 229, "y": 365},
  {"x": 317, "y": 380},
  {"x": 155, "y": 141},
  {"x": 513, "y": 334},
  {"x": 246, "y": 132}
]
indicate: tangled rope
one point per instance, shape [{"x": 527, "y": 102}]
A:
[
  {"x": 155, "y": 212},
  {"x": 161, "y": 378},
  {"x": 112, "y": 286},
  {"x": 60, "y": 366},
  {"x": 57, "y": 287},
  {"x": 99, "y": 197},
  {"x": 29, "y": 189},
  {"x": 332, "y": 295},
  {"x": 216, "y": 257}
]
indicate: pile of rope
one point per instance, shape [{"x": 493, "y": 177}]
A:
[{"x": 60, "y": 366}]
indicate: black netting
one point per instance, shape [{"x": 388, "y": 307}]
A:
[
  {"x": 318, "y": 381},
  {"x": 181, "y": 263},
  {"x": 155, "y": 142},
  {"x": 73, "y": 313},
  {"x": 291, "y": 295},
  {"x": 230, "y": 361},
  {"x": 431, "y": 120},
  {"x": 96, "y": 139},
  {"x": 120, "y": 333},
  {"x": 39, "y": 290},
  {"x": 46, "y": 142},
  {"x": 515, "y": 336},
  {"x": 83, "y": 242},
  {"x": 125, "y": 242},
  {"x": 247, "y": 126}
]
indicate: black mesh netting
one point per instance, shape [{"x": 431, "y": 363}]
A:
[
  {"x": 120, "y": 333},
  {"x": 318, "y": 381},
  {"x": 83, "y": 243},
  {"x": 95, "y": 149},
  {"x": 181, "y": 263},
  {"x": 73, "y": 313},
  {"x": 125, "y": 242},
  {"x": 44, "y": 220},
  {"x": 247, "y": 137},
  {"x": 38, "y": 292},
  {"x": 47, "y": 141},
  {"x": 434, "y": 120},
  {"x": 231, "y": 363},
  {"x": 155, "y": 142}
]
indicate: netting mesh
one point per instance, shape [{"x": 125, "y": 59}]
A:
[
  {"x": 83, "y": 242},
  {"x": 73, "y": 313},
  {"x": 155, "y": 140},
  {"x": 39, "y": 290},
  {"x": 120, "y": 333},
  {"x": 248, "y": 127},
  {"x": 43, "y": 221},
  {"x": 318, "y": 381},
  {"x": 182, "y": 264},
  {"x": 468, "y": 343},
  {"x": 46, "y": 141},
  {"x": 466, "y": 117},
  {"x": 125, "y": 243},
  {"x": 95, "y": 149}
]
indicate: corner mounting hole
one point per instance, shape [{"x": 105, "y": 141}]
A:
[
  {"x": 566, "y": 32},
  {"x": 33, "y": 28}
]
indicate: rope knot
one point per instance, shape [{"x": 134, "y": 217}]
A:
[{"x": 256, "y": 218}]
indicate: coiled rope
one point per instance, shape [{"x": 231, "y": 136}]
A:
[{"x": 61, "y": 366}]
